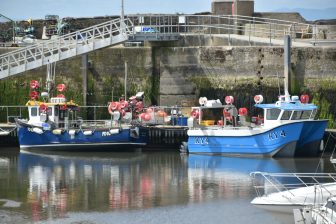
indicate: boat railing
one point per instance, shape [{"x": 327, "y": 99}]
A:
[{"x": 267, "y": 183}]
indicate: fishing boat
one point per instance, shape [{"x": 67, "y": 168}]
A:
[
  {"x": 53, "y": 122},
  {"x": 286, "y": 128},
  {"x": 283, "y": 192}
]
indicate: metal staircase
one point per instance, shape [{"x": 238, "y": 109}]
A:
[{"x": 70, "y": 45}]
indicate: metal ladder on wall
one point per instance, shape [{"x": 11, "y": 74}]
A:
[{"x": 70, "y": 45}]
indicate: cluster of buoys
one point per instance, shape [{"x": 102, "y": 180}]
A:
[
  {"x": 151, "y": 113},
  {"x": 34, "y": 86},
  {"x": 119, "y": 109}
]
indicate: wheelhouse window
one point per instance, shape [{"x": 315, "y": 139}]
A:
[
  {"x": 313, "y": 114},
  {"x": 297, "y": 115},
  {"x": 272, "y": 114},
  {"x": 286, "y": 115},
  {"x": 306, "y": 114},
  {"x": 56, "y": 111},
  {"x": 33, "y": 111}
]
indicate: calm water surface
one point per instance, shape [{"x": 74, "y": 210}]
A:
[{"x": 135, "y": 187}]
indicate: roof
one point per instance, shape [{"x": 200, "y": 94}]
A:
[
  {"x": 38, "y": 103},
  {"x": 288, "y": 106}
]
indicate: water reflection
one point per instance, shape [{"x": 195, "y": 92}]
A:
[{"x": 55, "y": 186}]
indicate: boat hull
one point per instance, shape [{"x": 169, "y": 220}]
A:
[
  {"x": 103, "y": 138},
  {"x": 310, "y": 138},
  {"x": 279, "y": 141}
]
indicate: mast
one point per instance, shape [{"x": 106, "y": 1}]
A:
[{"x": 287, "y": 64}]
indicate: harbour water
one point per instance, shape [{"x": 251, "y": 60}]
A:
[{"x": 136, "y": 187}]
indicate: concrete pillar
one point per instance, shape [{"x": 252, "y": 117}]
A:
[{"x": 84, "y": 69}]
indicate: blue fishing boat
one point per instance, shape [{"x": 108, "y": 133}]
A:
[
  {"x": 288, "y": 128},
  {"x": 53, "y": 123}
]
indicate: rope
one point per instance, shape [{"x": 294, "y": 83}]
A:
[
  {"x": 3, "y": 130},
  {"x": 325, "y": 146}
]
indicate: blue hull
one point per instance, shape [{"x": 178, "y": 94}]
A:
[
  {"x": 280, "y": 141},
  {"x": 99, "y": 138},
  {"x": 310, "y": 138}
]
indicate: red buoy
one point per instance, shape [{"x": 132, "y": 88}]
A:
[
  {"x": 43, "y": 107},
  {"x": 195, "y": 114},
  {"x": 242, "y": 111},
  {"x": 63, "y": 107},
  {"x": 220, "y": 123},
  {"x": 33, "y": 95},
  {"x": 304, "y": 99}
]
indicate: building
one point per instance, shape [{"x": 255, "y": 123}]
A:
[{"x": 232, "y": 7}]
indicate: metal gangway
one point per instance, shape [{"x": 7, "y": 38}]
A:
[
  {"x": 159, "y": 28},
  {"x": 63, "y": 47}
]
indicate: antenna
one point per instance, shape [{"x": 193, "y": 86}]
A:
[
  {"x": 287, "y": 64},
  {"x": 122, "y": 10}
]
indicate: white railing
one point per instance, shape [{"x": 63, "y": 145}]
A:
[{"x": 266, "y": 183}]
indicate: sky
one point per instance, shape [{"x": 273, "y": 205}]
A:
[{"x": 37, "y": 9}]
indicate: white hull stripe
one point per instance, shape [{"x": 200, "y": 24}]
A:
[{"x": 80, "y": 144}]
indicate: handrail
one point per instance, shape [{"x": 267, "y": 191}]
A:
[{"x": 288, "y": 181}]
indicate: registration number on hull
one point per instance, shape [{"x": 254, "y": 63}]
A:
[{"x": 201, "y": 141}]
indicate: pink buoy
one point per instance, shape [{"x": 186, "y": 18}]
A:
[
  {"x": 142, "y": 116},
  {"x": 34, "y": 84},
  {"x": 147, "y": 117},
  {"x": 220, "y": 123},
  {"x": 123, "y": 104},
  {"x": 114, "y": 105},
  {"x": 229, "y": 99},
  {"x": 61, "y": 87},
  {"x": 139, "y": 106}
]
